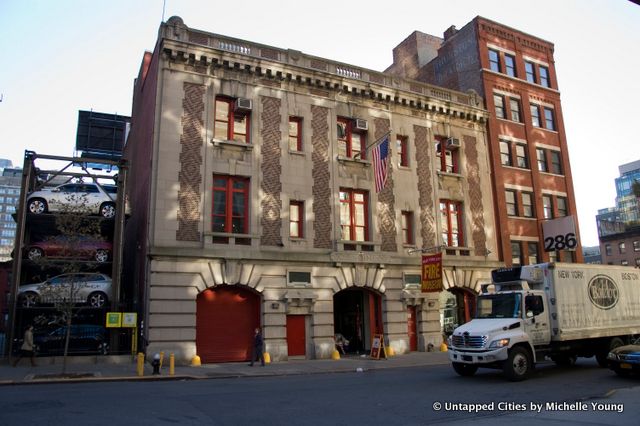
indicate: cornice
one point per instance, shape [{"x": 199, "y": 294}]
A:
[{"x": 206, "y": 53}]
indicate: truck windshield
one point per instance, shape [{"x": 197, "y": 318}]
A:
[{"x": 499, "y": 306}]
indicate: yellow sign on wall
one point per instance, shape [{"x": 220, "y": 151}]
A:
[{"x": 114, "y": 319}]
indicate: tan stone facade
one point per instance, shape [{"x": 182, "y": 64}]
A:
[{"x": 185, "y": 257}]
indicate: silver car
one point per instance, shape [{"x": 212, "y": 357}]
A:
[
  {"x": 90, "y": 197},
  {"x": 85, "y": 287}
]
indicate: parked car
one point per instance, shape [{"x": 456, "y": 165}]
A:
[
  {"x": 70, "y": 247},
  {"x": 84, "y": 338},
  {"x": 95, "y": 199},
  {"x": 84, "y": 287},
  {"x": 625, "y": 360}
]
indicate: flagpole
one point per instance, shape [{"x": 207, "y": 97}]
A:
[{"x": 366, "y": 148}]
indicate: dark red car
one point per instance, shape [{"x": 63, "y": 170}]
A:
[{"x": 76, "y": 247}]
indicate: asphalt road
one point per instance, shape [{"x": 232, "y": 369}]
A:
[{"x": 404, "y": 396}]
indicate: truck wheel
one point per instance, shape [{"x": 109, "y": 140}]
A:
[
  {"x": 601, "y": 357},
  {"x": 518, "y": 365},
  {"x": 464, "y": 369}
]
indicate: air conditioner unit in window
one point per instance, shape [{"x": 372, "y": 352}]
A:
[
  {"x": 243, "y": 104},
  {"x": 361, "y": 124},
  {"x": 453, "y": 143}
]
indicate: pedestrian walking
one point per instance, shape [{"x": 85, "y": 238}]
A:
[
  {"x": 258, "y": 348},
  {"x": 27, "y": 348}
]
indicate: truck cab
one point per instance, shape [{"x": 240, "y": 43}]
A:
[
  {"x": 555, "y": 310},
  {"x": 511, "y": 320}
]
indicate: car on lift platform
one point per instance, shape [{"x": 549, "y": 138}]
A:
[
  {"x": 91, "y": 288},
  {"x": 89, "y": 197}
]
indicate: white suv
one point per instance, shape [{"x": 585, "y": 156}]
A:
[{"x": 95, "y": 199}]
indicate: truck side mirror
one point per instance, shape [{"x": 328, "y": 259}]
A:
[{"x": 529, "y": 314}]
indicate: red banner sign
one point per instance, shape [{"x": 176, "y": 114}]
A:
[{"x": 432, "y": 273}]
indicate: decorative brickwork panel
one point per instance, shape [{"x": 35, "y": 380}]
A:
[
  {"x": 319, "y": 65},
  {"x": 386, "y": 197},
  {"x": 321, "y": 177},
  {"x": 415, "y": 88},
  {"x": 376, "y": 78},
  {"x": 271, "y": 186},
  {"x": 198, "y": 38},
  {"x": 190, "y": 175},
  {"x": 425, "y": 187},
  {"x": 269, "y": 54},
  {"x": 476, "y": 209}
]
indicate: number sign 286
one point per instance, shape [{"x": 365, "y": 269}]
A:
[{"x": 560, "y": 242}]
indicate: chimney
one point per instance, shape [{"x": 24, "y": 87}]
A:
[{"x": 450, "y": 32}]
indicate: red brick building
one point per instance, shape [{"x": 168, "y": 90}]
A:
[{"x": 515, "y": 74}]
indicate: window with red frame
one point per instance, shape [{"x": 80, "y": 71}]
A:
[
  {"x": 351, "y": 142},
  {"x": 354, "y": 212},
  {"x": 407, "y": 227},
  {"x": 295, "y": 134},
  {"x": 448, "y": 157},
  {"x": 230, "y": 124},
  {"x": 451, "y": 220},
  {"x": 230, "y": 210},
  {"x": 296, "y": 219},
  {"x": 402, "y": 145}
]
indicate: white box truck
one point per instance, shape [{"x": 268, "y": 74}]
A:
[{"x": 557, "y": 310}]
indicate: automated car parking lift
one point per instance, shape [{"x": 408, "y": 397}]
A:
[{"x": 30, "y": 182}]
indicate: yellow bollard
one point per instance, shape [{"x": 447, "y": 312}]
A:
[
  {"x": 140, "y": 364},
  {"x": 388, "y": 350},
  {"x": 172, "y": 365},
  {"x": 195, "y": 361},
  {"x": 161, "y": 358},
  {"x": 444, "y": 347},
  {"x": 335, "y": 355},
  {"x": 267, "y": 358}
]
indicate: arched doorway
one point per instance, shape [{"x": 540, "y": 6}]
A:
[
  {"x": 225, "y": 319},
  {"x": 357, "y": 315},
  {"x": 457, "y": 306}
]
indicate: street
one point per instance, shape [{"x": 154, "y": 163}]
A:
[{"x": 401, "y": 396}]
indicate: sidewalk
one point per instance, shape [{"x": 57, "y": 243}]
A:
[{"x": 123, "y": 368}]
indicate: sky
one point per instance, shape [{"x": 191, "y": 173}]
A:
[{"x": 62, "y": 56}]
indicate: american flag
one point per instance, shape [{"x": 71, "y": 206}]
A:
[{"x": 380, "y": 163}]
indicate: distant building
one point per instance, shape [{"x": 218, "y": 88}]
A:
[
  {"x": 622, "y": 248},
  {"x": 592, "y": 255},
  {"x": 619, "y": 226},
  {"x": 4, "y": 163},
  {"x": 10, "y": 182}
]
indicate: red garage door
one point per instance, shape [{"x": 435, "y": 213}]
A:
[
  {"x": 295, "y": 335},
  {"x": 225, "y": 319}
]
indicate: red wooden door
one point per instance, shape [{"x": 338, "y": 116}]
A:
[
  {"x": 226, "y": 318},
  {"x": 412, "y": 326},
  {"x": 296, "y": 337}
]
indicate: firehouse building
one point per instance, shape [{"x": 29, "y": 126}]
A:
[{"x": 254, "y": 201}]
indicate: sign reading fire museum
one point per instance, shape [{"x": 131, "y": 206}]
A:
[{"x": 432, "y": 273}]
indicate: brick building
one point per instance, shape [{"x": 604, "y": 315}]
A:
[
  {"x": 515, "y": 74},
  {"x": 253, "y": 201}
]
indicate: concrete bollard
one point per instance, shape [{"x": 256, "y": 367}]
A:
[{"x": 140, "y": 364}]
